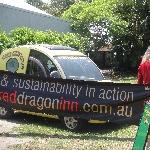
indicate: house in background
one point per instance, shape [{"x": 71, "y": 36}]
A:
[
  {"x": 104, "y": 57},
  {"x": 16, "y": 13}
]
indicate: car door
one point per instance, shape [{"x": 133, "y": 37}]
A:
[{"x": 39, "y": 64}]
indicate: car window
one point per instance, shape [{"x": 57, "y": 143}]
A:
[
  {"x": 39, "y": 64},
  {"x": 80, "y": 68},
  {"x": 35, "y": 68}
]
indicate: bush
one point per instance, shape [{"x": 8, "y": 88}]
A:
[
  {"x": 75, "y": 41},
  {"x": 5, "y": 41},
  {"x": 24, "y": 35}
]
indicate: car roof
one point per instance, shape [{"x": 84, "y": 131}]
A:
[{"x": 55, "y": 50}]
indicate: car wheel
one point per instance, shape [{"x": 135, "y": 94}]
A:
[
  {"x": 5, "y": 112},
  {"x": 73, "y": 124}
]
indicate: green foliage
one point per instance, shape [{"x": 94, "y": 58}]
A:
[
  {"x": 40, "y": 37},
  {"x": 96, "y": 21},
  {"x": 58, "y": 7},
  {"x": 75, "y": 40},
  {"x": 54, "y": 7},
  {"x": 135, "y": 41},
  {"x": 73, "y": 15},
  {"x": 5, "y": 41},
  {"x": 85, "y": 15},
  {"x": 24, "y": 35},
  {"x": 53, "y": 37},
  {"x": 37, "y": 3},
  {"x": 123, "y": 23}
]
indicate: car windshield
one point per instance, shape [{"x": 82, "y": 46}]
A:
[{"x": 80, "y": 68}]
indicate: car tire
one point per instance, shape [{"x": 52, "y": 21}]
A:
[
  {"x": 72, "y": 123},
  {"x": 6, "y": 111}
]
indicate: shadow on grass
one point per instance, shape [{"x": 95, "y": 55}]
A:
[
  {"x": 102, "y": 129},
  {"x": 84, "y": 137}
]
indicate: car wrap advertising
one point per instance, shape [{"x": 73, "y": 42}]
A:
[
  {"x": 84, "y": 99},
  {"x": 14, "y": 60}
]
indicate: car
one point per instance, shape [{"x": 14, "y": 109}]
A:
[{"x": 55, "y": 61}]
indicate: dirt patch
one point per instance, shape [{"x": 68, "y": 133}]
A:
[{"x": 8, "y": 137}]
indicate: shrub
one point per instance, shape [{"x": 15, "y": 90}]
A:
[
  {"x": 5, "y": 41},
  {"x": 24, "y": 35}
]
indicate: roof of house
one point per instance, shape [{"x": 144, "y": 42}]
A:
[
  {"x": 106, "y": 48},
  {"x": 21, "y": 4}
]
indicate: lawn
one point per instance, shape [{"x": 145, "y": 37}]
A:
[
  {"x": 45, "y": 134},
  {"x": 48, "y": 134},
  {"x": 125, "y": 79}
]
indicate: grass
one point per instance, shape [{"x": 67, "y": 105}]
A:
[
  {"x": 48, "y": 134},
  {"x": 125, "y": 79}
]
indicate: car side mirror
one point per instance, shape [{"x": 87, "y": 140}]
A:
[{"x": 55, "y": 74}]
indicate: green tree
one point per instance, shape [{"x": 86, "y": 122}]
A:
[
  {"x": 123, "y": 23},
  {"x": 37, "y": 3},
  {"x": 5, "y": 41},
  {"x": 58, "y": 7},
  {"x": 96, "y": 21},
  {"x": 137, "y": 38},
  {"x": 41, "y": 5},
  {"x": 54, "y": 7}
]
